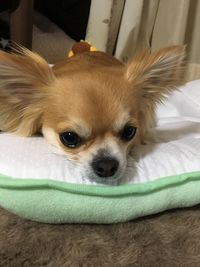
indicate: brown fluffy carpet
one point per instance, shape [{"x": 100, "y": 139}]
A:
[{"x": 171, "y": 239}]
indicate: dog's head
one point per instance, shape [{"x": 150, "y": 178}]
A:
[{"x": 91, "y": 107}]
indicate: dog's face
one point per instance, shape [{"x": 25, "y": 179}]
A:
[
  {"x": 97, "y": 124},
  {"x": 93, "y": 110}
]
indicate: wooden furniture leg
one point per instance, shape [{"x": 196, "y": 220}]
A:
[{"x": 21, "y": 22}]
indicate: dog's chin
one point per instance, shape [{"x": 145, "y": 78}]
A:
[
  {"x": 105, "y": 180},
  {"x": 112, "y": 180}
]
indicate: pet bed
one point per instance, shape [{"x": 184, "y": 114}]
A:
[{"x": 40, "y": 185}]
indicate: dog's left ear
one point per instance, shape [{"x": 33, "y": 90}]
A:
[
  {"x": 158, "y": 73},
  {"x": 152, "y": 76}
]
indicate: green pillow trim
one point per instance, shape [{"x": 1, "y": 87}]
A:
[
  {"x": 59, "y": 202},
  {"x": 98, "y": 190}
]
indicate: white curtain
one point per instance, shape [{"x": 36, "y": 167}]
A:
[
  {"x": 104, "y": 23},
  {"x": 122, "y": 27}
]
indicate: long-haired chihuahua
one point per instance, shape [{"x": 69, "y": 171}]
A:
[{"x": 91, "y": 106}]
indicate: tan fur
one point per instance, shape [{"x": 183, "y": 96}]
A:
[
  {"x": 24, "y": 81},
  {"x": 92, "y": 87},
  {"x": 154, "y": 76}
]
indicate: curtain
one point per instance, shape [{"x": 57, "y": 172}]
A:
[{"x": 122, "y": 27}]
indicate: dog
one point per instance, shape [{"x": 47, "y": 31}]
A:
[{"x": 93, "y": 108}]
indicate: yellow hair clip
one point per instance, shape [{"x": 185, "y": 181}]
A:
[{"x": 81, "y": 47}]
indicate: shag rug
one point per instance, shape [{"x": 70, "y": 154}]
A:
[{"x": 171, "y": 239}]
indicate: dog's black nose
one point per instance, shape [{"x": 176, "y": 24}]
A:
[{"x": 105, "y": 167}]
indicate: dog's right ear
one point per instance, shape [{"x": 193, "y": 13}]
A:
[{"x": 24, "y": 78}]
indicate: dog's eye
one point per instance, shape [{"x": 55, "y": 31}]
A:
[
  {"x": 128, "y": 132},
  {"x": 70, "y": 139}
]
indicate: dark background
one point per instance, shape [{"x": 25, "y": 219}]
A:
[{"x": 70, "y": 15}]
